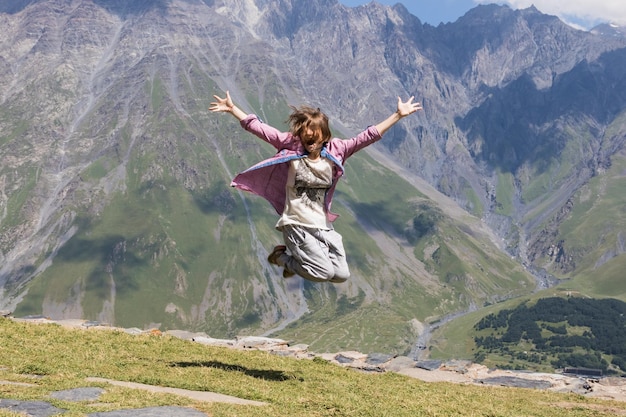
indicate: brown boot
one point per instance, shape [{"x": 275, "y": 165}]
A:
[{"x": 273, "y": 257}]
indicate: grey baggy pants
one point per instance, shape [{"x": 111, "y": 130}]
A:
[{"x": 315, "y": 254}]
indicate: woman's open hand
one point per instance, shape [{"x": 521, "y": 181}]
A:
[
  {"x": 222, "y": 104},
  {"x": 408, "y": 107}
]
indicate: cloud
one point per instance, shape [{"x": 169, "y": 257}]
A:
[{"x": 585, "y": 13}]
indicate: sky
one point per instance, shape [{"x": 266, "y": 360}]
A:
[{"x": 583, "y": 14}]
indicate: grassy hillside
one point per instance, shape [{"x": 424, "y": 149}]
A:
[
  {"x": 589, "y": 256},
  {"x": 50, "y": 358},
  {"x": 595, "y": 234}
]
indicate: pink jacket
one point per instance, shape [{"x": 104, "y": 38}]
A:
[{"x": 269, "y": 177}]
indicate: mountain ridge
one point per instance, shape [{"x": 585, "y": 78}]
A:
[{"x": 114, "y": 177}]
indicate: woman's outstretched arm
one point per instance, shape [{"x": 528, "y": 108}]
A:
[
  {"x": 226, "y": 105},
  {"x": 403, "y": 110}
]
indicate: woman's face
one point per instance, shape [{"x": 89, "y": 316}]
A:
[{"x": 312, "y": 139}]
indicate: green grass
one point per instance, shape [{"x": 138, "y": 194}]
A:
[
  {"x": 51, "y": 358},
  {"x": 16, "y": 202},
  {"x": 348, "y": 325},
  {"x": 593, "y": 231},
  {"x": 18, "y": 130},
  {"x": 475, "y": 206},
  {"x": 504, "y": 193}
]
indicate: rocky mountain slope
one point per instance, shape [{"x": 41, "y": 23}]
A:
[{"x": 114, "y": 177}]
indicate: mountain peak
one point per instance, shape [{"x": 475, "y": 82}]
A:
[{"x": 609, "y": 30}]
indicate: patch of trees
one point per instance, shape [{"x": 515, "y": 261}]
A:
[
  {"x": 575, "y": 332},
  {"x": 424, "y": 223}
]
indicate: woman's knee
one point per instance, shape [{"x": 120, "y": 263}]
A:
[
  {"x": 319, "y": 272},
  {"x": 341, "y": 275},
  {"x": 329, "y": 273}
]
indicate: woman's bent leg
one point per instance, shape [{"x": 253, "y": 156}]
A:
[
  {"x": 316, "y": 255},
  {"x": 337, "y": 255}
]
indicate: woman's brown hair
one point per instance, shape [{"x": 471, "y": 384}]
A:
[{"x": 305, "y": 116}]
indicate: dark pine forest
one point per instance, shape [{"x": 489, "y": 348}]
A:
[{"x": 565, "y": 332}]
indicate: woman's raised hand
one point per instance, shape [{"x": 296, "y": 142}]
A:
[
  {"x": 222, "y": 104},
  {"x": 408, "y": 107}
]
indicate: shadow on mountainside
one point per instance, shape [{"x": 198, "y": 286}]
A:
[
  {"x": 114, "y": 253},
  {"x": 125, "y": 8},
  {"x": 521, "y": 123}
]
